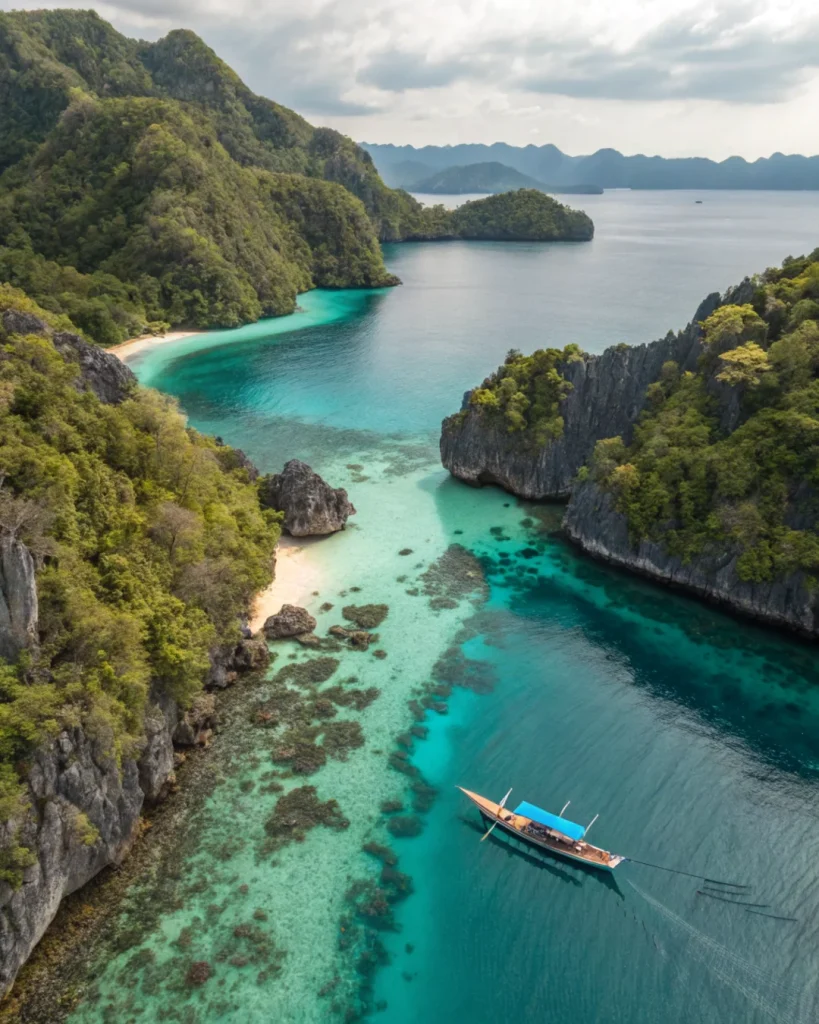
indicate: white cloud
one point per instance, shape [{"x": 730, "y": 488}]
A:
[{"x": 705, "y": 77}]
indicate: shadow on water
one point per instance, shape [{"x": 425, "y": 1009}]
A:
[
  {"x": 758, "y": 686},
  {"x": 544, "y": 861}
]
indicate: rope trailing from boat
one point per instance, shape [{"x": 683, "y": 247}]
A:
[
  {"x": 726, "y": 899},
  {"x": 688, "y": 874},
  {"x": 774, "y": 917}
]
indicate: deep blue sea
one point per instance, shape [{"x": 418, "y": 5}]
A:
[{"x": 693, "y": 735}]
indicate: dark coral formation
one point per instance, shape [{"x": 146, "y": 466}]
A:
[
  {"x": 296, "y": 813},
  {"x": 366, "y": 616}
]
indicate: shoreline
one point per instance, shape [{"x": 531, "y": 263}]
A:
[
  {"x": 125, "y": 350},
  {"x": 297, "y": 576}
]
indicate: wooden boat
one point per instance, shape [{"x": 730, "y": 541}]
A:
[{"x": 546, "y": 831}]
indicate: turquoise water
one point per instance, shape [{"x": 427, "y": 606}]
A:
[{"x": 695, "y": 736}]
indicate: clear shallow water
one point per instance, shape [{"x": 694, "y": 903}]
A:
[{"x": 696, "y": 737}]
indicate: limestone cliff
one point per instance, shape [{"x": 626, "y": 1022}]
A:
[
  {"x": 18, "y": 597},
  {"x": 606, "y": 397},
  {"x": 311, "y": 506},
  {"x": 608, "y": 393},
  {"x": 593, "y": 522}
]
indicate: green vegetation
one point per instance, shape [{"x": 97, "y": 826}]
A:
[
  {"x": 141, "y": 190},
  {"x": 526, "y": 393},
  {"x": 521, "y": 216},
  {"x": 149, "y": 543},
  {"x": 730, "y": 454},
  {"x": 145, "y": 185}
]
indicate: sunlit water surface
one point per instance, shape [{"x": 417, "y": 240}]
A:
[{"x": 694, "y": 736}]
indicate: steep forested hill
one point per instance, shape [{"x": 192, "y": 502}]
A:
[{"x": 144, "y": 184}]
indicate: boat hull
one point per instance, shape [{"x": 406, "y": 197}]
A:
[
  {"x": 553, "y": 841},
  {"x": 555, "y": 851}
]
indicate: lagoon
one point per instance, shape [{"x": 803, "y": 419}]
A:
[{"x": 695, "y": 736}]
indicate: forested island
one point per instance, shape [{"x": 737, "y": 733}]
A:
[
  {"x": 145, "y": 186},
  {"x": 692, "y": 460}
]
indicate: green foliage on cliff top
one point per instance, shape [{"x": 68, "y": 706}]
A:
[
  {"x": 525, "y": 393},
  {"x": 730, "y": 454},
  {"x": 524, "y": 215},
  {"x": 149, "y": 544},
  {"x": 169, "y": 193}
]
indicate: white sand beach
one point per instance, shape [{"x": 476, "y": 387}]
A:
[
  {"x": 128, "y": 349},
  {"x": 297, "y": 576}
]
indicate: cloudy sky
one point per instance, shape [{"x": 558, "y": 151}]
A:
[{"x": 674, "y": 77}]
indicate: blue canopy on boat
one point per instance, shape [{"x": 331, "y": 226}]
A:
[{"x": 568, "y": 828}]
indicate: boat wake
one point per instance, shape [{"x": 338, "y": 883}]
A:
[{"x": 773, "y": 998}]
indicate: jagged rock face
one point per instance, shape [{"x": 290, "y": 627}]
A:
[
  {"x": 290, "y": 621},
  {"x": 593, "y": 522},
  {"x": 74, "y": 776},
  {"x": 608, "y": 393},
  {"x": 311, "y": 507},
  {"x": 18, "y": 598},
  {"x": 108, "y": 377},
  {"x": 196, "y": 725},
  {"x": 71, "y": 776},
  {"x": 15, "y": 321},
  {"x": 155, "y": 764},
  {"x": 99, "y": 371},
  {"x": 226, "y": 662}
]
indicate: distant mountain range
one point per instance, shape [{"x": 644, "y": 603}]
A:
[
  {"x": 607, "y": 168},
  {"x": 478, "y": 178}
]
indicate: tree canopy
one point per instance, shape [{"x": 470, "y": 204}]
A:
[
  {"x": 146, "y": 185},
  {"x": 730, "y": 453}
]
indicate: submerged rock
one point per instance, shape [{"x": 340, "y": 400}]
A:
[
  {"x": 311, "y": 507},
  {"x": 366, "y": 616},
  {"x": 291, "y": 620},
  {"x": 358, "y": 639}
]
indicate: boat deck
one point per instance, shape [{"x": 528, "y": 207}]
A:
[{"x": 548, "y": 839}]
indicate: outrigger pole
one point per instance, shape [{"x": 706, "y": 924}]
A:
[
  {"x": 486, "y": 835},
  {"x": 594, "y": 819}
]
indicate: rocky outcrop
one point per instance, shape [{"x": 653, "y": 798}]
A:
[
  {"x": 195, "y": 727},
  {"x": 15, "y": 321},
  {"x": 84, "y": 810},
  {"x": 155, "y": 764},
  {"x": 311, "y": 507},
  {"x": 227, "y": 662},
  {"x": 289, "y": 621},
  {"x": 608, "y": 394},
  {"x": 99, "y": 371},
  {"x": 18, "y": 598},
  {"x": 593, "y": 522}
]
